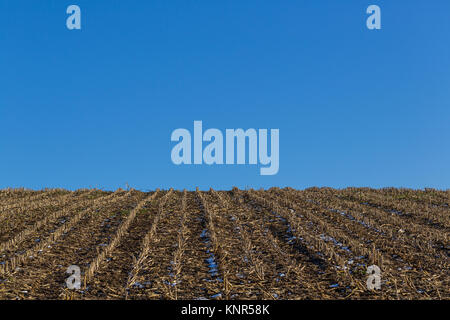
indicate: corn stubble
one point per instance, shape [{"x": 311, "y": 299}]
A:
[{"x": 240, "y": 244}]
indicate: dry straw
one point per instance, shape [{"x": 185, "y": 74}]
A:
[
  {"x": 138, "y": 263},
  {"x": 177, "y": 258},
  {"x": 53, "y": 216},
  {"x": 19, "y": 203},
  {"x": 94, "y": 204},
  {"x": 95, "y": 264}
]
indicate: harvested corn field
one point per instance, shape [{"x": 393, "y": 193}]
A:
[{"x": 272, "y": 244}]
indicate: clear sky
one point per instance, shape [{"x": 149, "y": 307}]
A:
[{"x": 96, "y": 107}]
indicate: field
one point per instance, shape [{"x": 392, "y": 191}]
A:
[{"x": 240, "y": 244}]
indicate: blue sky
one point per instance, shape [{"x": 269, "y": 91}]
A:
[{"x": 96, "y": 107}]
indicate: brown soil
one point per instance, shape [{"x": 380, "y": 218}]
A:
[{"x": 267, "y": 244}]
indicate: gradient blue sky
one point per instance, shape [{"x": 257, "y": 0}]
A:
[{"x": 96, "y": 107}]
